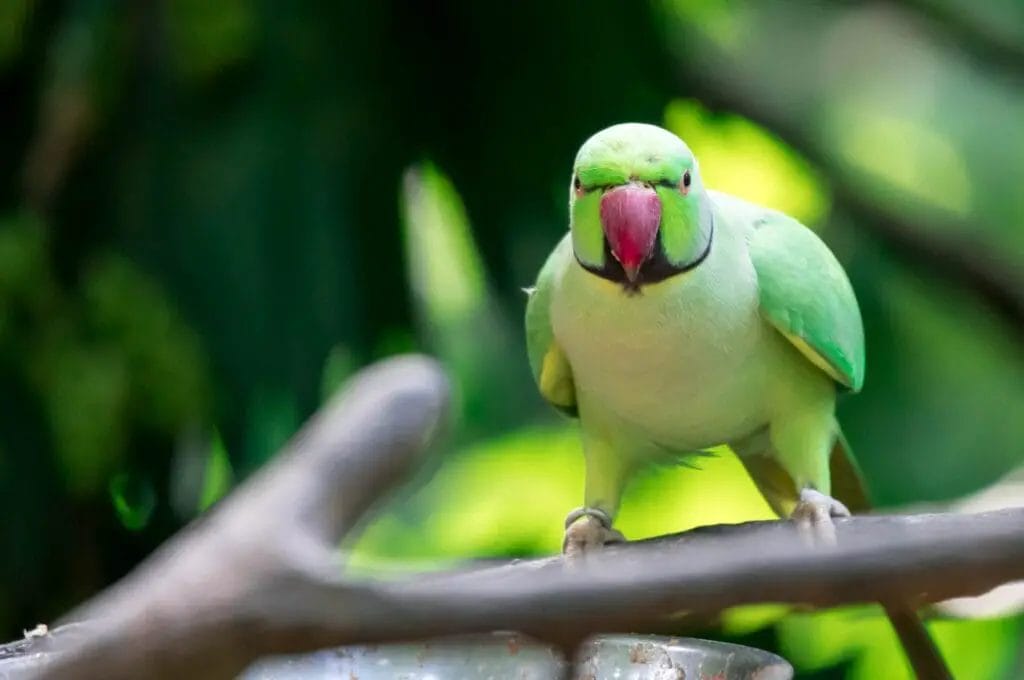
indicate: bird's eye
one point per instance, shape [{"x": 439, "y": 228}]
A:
[
  {"x": 686, "y": 179},
  {"x": 576, "y": 184}
]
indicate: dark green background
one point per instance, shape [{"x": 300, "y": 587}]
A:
[{"x": 212, "y": 212}]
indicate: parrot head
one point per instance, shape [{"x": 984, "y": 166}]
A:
[{"x": 638, "y": 211}]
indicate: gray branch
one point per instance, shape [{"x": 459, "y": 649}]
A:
[{"x": 260, "y": 574}]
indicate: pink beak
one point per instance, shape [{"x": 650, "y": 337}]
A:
[{"x": 630, "y": 215}]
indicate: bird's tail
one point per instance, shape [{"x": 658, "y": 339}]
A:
[
  {"x": 848, "y": 486},
  {"x": 924, "y": 656}
]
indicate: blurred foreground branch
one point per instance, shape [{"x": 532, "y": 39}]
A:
[{"x": 260, "y": 574}]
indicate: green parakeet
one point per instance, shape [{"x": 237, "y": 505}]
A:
[{"x": 672, "y": 318}]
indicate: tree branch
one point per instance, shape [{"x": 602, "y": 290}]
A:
[
  {"x": 943, "y": 249},
  {"x": 205, "y": 604},
  {"x": 990, "y": 46},
  {"x": 260, "y": 574}
]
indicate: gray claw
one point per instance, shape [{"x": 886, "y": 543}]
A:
[{"x": 813, "y": 516}]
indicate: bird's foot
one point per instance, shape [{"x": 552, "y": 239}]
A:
[
  {"x": 587, "y": 529},
  {"x": 813, "y": 516}
]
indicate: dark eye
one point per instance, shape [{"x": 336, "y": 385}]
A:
[
  {"x": 576, "y": 183},
  {"x": 686, "y": 179}
]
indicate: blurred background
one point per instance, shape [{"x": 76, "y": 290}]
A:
[{"x": 211, "y": 213}]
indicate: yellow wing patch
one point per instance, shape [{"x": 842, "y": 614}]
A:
[
  {"x": 778, "y": 488},
  {"x": 773, "y": 482},
  {"x": 815, "y": 358},
  {"x": 556, "y": 383}
]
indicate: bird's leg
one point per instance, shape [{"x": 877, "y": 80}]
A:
[
  {"x": 813, "y": 516},
  {"x": 587, "y": 529}
]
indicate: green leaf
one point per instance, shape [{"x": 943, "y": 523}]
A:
[
  {"x": 133, "y": 499},
  {"x": 741, "y": 158},
  {"x": 217, "y": 476},
  {"x": 338, "y": 366}
]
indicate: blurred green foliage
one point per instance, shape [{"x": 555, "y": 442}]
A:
[{"x": 212, "y": 213}]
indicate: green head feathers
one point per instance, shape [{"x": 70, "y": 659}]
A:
[{"x": 638, "y": 211}]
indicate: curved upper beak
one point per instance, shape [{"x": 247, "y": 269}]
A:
[{"x": 630, "y": 215}]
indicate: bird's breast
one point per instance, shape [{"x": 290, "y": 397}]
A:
[{"x": 680, "y": 361}]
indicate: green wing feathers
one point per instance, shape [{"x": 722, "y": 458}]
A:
[
  {"x": 805, "y": 294},
  {"x": 549, "y": 364}
]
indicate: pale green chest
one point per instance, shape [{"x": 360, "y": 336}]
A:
[{"x": 687, "y": 363}]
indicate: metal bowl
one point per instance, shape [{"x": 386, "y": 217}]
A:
[
  {"x": 638, "y": 657},
  {"x": 508, "y": 655}
]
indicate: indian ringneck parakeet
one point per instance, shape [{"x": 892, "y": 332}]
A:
[{"x": 673, "y": 318}]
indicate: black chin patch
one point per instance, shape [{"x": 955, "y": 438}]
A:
[{"x": 657, "y": 268}]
